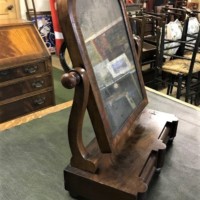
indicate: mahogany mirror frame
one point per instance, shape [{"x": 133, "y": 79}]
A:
[{"x": 80, "y": 59}]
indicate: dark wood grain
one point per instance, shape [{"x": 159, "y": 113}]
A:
[
  {"x": 25, "y": 70},
  {"x": 126, "y": 173}
]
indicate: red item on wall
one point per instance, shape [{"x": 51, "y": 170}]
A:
[
  {"x": 129, "y": 2},
  {"x": 57, "y": 30}
]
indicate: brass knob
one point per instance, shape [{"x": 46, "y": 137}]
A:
[{"x": 10, "y": 7}]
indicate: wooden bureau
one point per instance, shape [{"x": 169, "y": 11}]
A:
[{"x": 26, "y": 83}]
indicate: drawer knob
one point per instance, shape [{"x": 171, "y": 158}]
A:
[
  {"x": 31, "y": 69},
  {"x": 10, "y": 7},
  {"x": 39, "y": 101},
  {"x": 38, "y": 84}
]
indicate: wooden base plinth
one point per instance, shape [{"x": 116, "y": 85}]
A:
[{"x": 125, "y": 175}]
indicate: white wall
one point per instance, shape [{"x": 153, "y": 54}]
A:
[{"x": 41, "y": 5}]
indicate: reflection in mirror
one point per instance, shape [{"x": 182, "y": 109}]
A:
[{"x": 111, "y": 57}]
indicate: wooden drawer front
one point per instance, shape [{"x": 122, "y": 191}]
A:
[
  {"x": 25, "y": 106},
  {"x": 25, "y": 86},
  {"x": 10, "y": 74},
  {"x": 149, "y": 168}
]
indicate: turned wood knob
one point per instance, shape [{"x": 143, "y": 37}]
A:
[
  {"x": 70, "y": 80},
  {"x": 10, "y": 7}
]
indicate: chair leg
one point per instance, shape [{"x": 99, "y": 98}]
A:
[
  {"x": 172, "y": 81},
  {"x": 170, "y": 85},
  {"x": 180, "y": 80},
  {"x": 197, "y": 95},
  {"x": 157, "y": 80},
  {"x": 197, "y": 98},
  {"x": 188, "y": 90},
  {"x": 169, "y": 89}
]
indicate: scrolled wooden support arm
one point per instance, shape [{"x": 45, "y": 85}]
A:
[{"x": 78, "y": 79}]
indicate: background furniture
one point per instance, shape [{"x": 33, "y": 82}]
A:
[
  {"x": 183, "y": 58},
  {"x": 9, "y": 9},
  {"x": 25, "y": 70},
  {"x": 173, "y": 27},
  {"x": 146, "y": 28}
]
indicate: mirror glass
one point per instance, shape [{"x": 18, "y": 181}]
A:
[{"x": 104, "y": 32}]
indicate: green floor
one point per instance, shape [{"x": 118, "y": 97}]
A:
[{"x": 61, "y": 94}]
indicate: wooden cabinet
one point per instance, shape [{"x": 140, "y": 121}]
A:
[
  {"x": 9, "y": 9},
  {"x": 26, "y": 83}
]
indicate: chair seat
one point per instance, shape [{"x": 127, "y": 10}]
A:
[
  {"x": 181, "y": 66},
  {"x": 148, "y": 47},
  {"x": 189, "y": 55},
  {"x": 148, "y": 51},
  {"x": 151, "y": 39}
]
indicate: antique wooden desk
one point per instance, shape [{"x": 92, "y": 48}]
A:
[{"x": 26, "y": 83}]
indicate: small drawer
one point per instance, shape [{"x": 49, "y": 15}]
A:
[
  {"x": 25, "y": 86},
  {"x": 149, "y": 168},
  {"x": 26, "y": 106},
  {"x": 26, "y": 70}
]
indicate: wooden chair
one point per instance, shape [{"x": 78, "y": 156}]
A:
[
  {"x": 138, "y": 25},
  {"x": 184, "y": 66},
  {"x": 145, "y": 27},
  {"x": 171, "y": 14}
]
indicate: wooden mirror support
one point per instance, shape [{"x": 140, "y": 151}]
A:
[{"x": 130, "y": 140}]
